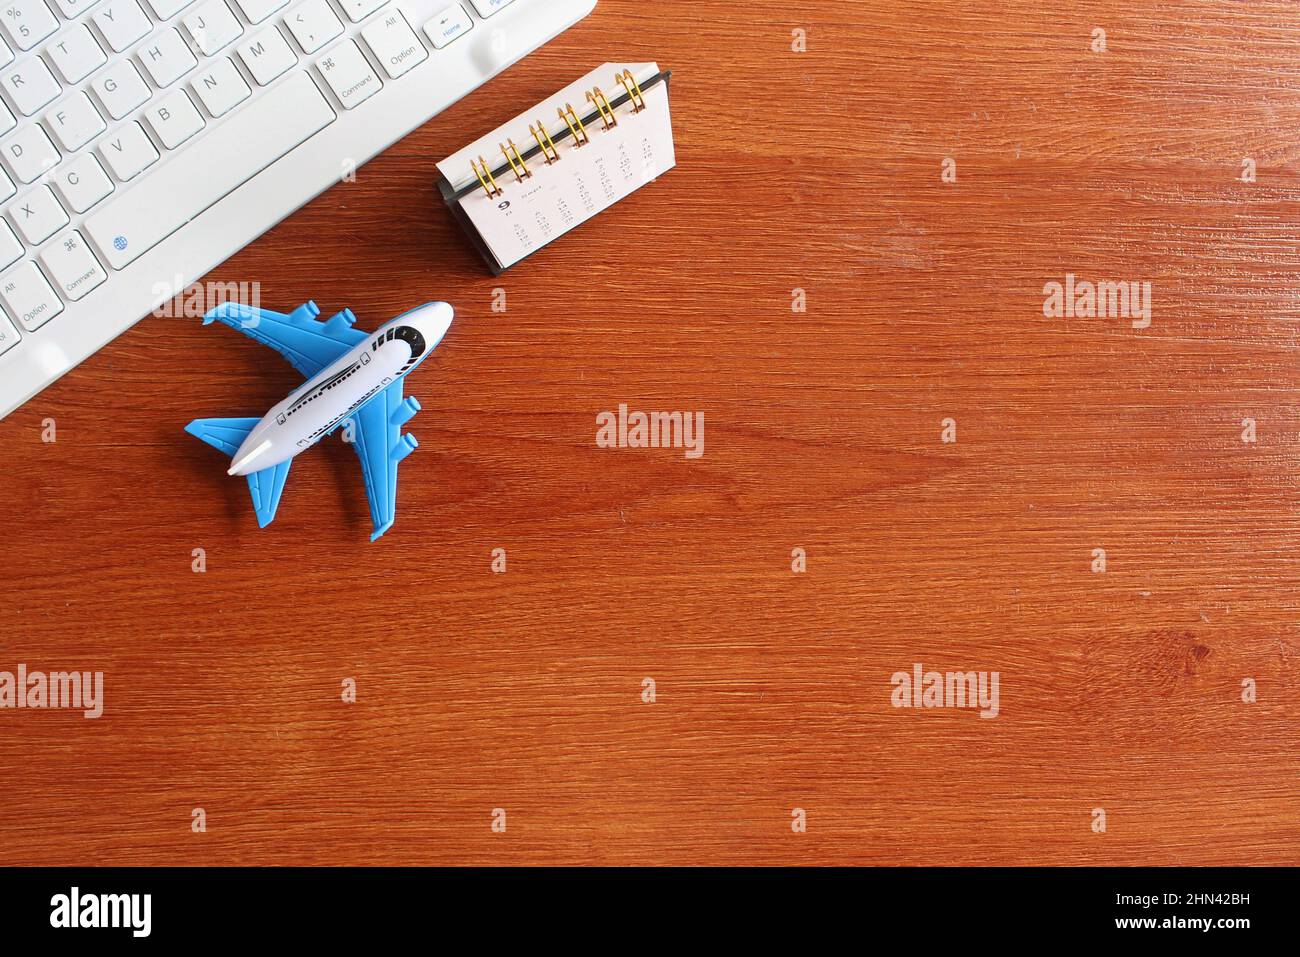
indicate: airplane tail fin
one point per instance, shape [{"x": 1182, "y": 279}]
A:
[
  {"x": 227, "y": 435},
  {"x": 266, "y": 486},
  {"x": 224, "y": 435}
]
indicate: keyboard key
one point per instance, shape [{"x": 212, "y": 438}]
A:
[
  {"x": 122, "y": 22},
  {"x": 6, "y": 54},
  {"x": 72, "y": 266},
  {"x": 30, "y": 153},
  {"x": 166, "y": 9},
  {"x": 28, "y": 297},
  {"x": 220, "y": 87},
  {"x": 211, "y": 25},
  {"x": 75, "y": 121},
  {"x": 76, "y": 53},
  {"x": 349, "y": 75},
  {"x": 120, "y": 88},
  {"x": 6, "y": 186},
  {"x": 74, "y": 8},
  {"x": 27, "y": 22},
  {"x": 267, "y": 55},
  {"x": 31, "y": 85},
  {"x": 166, "y": 57},
  {"x": 38, "y": 215},
  {"x": 233, "y": 152},
  {"x": 128, "y": 151},
  {"x": 174, "y": 119},
  {"x": 7, "y": 121},
  {"x": 358, "y": 10},
  {"x": 10, "y": 247},
  {"x": 8, "y": 334},
  {"x": 393, "y": 44},
  {"x": 313, "y": 25},
  {"x": 486, "y": 8},
  {"x": 82, "y": 182},
  {"x": 448, "y": 25},
  {"x": 259, "y": 10}
]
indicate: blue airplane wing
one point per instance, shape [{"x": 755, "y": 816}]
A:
[
  {"x": 226, "y": 435},
  {"x": 381, "y": 446},
  {"x": 309, "y": 344}
]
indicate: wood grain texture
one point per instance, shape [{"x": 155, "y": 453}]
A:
[{"x": 522, "y": 690}]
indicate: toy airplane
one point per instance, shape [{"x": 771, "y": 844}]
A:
[{"x": 351, "y": 375}]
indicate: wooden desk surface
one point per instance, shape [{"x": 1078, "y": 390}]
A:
[{"x": 818, "y": 171}]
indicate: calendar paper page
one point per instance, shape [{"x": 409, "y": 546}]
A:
[
  {"x": 583, "y": 182},
  {"x": 456, "y": 167}
]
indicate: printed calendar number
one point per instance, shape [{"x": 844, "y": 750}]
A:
[
  {"x": 606, "y": 183},
  {"x": 584, "y": 194}
]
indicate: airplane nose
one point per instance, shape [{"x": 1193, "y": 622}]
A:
[{"x": 435, "y": 318}]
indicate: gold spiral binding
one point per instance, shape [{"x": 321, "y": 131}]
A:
[
  {"x": 570, "y": 116},
  {"x": 516, "y": 160},
  {"x": 633, "y": 88},
  {"x": 484, "y": 174},
  {"x": 607, "y": 118},
  {"x": 549, "y": 152}
]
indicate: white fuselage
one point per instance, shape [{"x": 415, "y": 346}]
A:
[{"x": 343, "y": 387}]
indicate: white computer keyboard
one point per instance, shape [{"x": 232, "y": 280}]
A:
[{"x": 145, "y": 141}]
